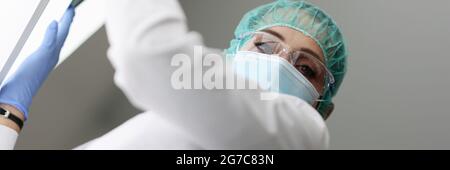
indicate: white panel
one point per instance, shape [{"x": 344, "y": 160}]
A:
[
  {"x": 15, "y": 14},
  {"x": 12, "y": 20}
]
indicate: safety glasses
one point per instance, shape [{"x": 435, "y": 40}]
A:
[{"x": 306, "y": 64}]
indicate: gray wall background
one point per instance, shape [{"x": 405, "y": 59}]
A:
[{"x": 395, "y": 95}]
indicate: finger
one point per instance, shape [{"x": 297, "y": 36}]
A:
[
  {"x": 64, "y": 25},
  {"x": 50, "y": 35}
]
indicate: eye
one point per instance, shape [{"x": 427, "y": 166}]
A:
[
  {"x": 306, "y": 65},
  {"x": 264, "y": 47},
  {"x": 306, "y": 71}
]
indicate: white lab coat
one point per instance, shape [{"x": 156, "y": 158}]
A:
[{"x": 144, "y": 35}]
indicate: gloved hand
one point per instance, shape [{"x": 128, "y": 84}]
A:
[{"x": 23, "y": 85}]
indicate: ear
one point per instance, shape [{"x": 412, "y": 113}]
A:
[{"x": 329, "y": 110}]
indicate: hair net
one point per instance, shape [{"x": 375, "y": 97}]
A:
[{"x": 311, "y": 21}]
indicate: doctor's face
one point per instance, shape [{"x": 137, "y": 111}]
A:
[{"x": 299, "y": 47}]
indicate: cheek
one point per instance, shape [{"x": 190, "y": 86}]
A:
[
  {"x": 319, "y": 87},
  {"x": 320, "y": 83}
]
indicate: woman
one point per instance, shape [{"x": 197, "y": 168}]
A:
[{"x": 145, "y": 34}]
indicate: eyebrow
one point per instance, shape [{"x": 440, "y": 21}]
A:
[
  {"x": 314, "y": 54},
  {"x": 276, "y": 34}
]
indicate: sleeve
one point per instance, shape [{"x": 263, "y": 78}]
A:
[
  {"x": 144, "y": 37},
  {"x": 8, "y": 138}
]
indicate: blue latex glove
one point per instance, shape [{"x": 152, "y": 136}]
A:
[{"x": 23, "y": 85}]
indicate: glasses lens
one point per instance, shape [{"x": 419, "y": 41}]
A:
[
  {"x": 312, "y": 68},
  {"x": 264, "y": 43}
]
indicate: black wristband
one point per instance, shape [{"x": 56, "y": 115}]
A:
[{"x": 7, "y": 114}]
